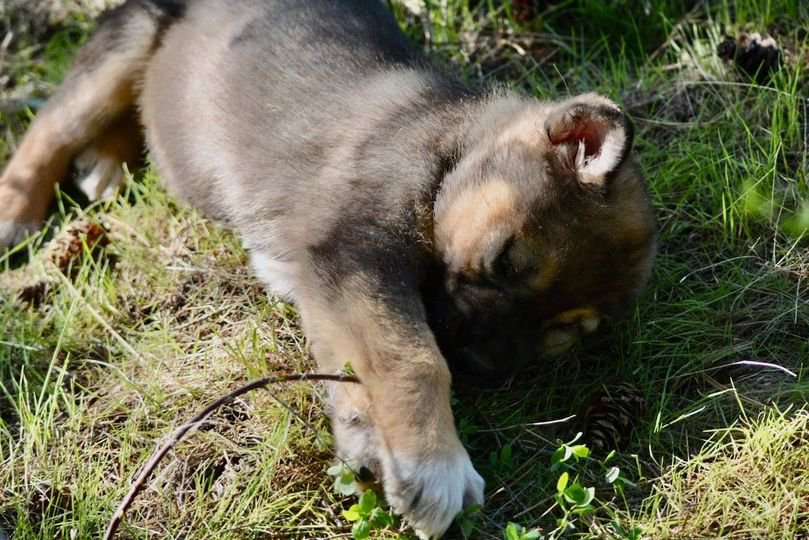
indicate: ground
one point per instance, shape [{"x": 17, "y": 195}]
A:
[{"x": 700, "y": 392}]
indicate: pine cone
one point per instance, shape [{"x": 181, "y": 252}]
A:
[
  {"x": 68, "y": 247},
  {"x": 611, "y": 415},
  {"x": 758, "y": 56}
]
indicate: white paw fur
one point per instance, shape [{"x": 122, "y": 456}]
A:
[
  {"x": 13, "y": 232},
  {"x": 101, "y": 175},
  {"x": 279, "y": 276},
  {"x": 431, "y": 492}
]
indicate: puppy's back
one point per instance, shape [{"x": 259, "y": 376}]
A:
[{"x": 253, "y": 112}]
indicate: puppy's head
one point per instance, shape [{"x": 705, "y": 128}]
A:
[{"x": 543, "y": 227}]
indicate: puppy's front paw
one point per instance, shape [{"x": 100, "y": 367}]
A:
[
  {"x": 429, "y": 492},
  {"x": 13, "y": 232}
]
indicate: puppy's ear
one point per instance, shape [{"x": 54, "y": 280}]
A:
[{"x": 592, "y": 136}]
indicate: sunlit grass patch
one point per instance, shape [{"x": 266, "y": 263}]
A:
[{"x": 747, "y": 481}]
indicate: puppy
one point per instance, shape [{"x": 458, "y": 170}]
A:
[{"x": 414, "y": 221}]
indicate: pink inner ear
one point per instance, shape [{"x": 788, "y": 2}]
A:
[{"x": 589, "y": 130}]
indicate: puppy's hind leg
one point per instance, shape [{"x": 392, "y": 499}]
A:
[
  {"x": 100, "y": 89},
  {"x": 100, "y": 165}
]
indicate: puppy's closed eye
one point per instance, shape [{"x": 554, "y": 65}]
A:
[{"x": 515, "y": 261}]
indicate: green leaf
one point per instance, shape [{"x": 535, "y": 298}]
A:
[
  {"x": 512, "y": 531},
  {"x": 352, "y": 514},
  {"x": 463, "y": 520},
  {"x": 380, "y": 519},
  {"x": 361, "y": 530},
  {"x": 580, "y": 451},
  {"x": 590, "y": 494},
  {"x": 335, "y": 470},
  {"x": 347, "y": 478},
  {"x": 467, "y": 526},
  {"x": 505, "y": 455},
  {"x": 561, "y": 484},
  {"x": 531, "y": 535},
  {"x": 584, "y": 510},
  {"x": 561, "y": 454},
  {"x": 345, "y": 488},
  {"x": 612, "y": 474},
  {"x": 573, "y": 494},
  {"x": 578, "y": 495},
  {"x": 367, "y": 502},
  {"x": 471, "y": 509}
]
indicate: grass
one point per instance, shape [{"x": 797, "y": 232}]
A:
[{"x": 138, "y": 335}]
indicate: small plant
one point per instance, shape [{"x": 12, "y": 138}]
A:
[
  {"x": 465, "y": 520},
  {"x": 348, "y": 369},
  {"x": 574, "y": 500},
  {"x": 345, "y": 478},
  {"x": 514, "y": 531},
  {"x": 367, "y": 516},
  {"x": 502, "y": 460},
  {"x": 465, "y": 429},
  {"x": 573, "y": 496}
]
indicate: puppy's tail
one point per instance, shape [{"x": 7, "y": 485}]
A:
[{"x": 92, "y": 113}]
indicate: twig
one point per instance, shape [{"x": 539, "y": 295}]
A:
[
  {"x": 530, "y": 424},
  {"x": 759, "y": 363},
  {"x": 139, "y": 482}
]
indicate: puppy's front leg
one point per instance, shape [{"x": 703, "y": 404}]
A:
[{"x": 382, "y": 331}]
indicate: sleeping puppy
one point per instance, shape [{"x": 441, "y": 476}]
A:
[{"x": 416, "y": 222}]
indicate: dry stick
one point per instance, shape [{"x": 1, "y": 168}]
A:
[{"x": 200, "y": 417}]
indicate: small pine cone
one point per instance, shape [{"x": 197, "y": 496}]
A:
[
  {"x": 756, "y": 55},
  {"x": 68, "y": 246},
  {"x": 611, "y": 415}
]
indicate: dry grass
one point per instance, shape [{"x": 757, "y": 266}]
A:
[
  {"x": 105, "y": 356},
  {"x": 748, "y": 481}
]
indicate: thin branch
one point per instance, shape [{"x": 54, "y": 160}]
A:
[
  {"x": 139, "y": 482},
  {"x": 528, "y": 425}
]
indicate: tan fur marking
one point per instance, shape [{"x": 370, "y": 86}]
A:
[
  {"x": 477, "y": 222},
  {"x": 572, "y": 315},
  {"x": 587, "y": 318}
]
